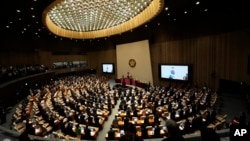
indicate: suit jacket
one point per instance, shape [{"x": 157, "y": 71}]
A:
[{"x": 111, "y": 134}]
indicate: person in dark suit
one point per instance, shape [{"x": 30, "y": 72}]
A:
[
  {"x": 3, "y": 115},
  {"x": 87, "y": 133},
  {"x": 146, "y": 122},
  {"x": 126, "y": 122},
  {"x": 144, "y": 132},
  {"x": 196, "y": 122},
  {"x": 69, "y": 129},
  {"x": 81, "y": 118},
  {"x": 111, "y": 134},
  {"x": 187, "y": 127},
  {"x": 209, "y": 134},
  {"x": 130, "y": 138},
  {"x": 213, "y": 115},
  {"x": 135, "y": 113},
  {"x": 78, "y": 131},
  {"x": 173, "y": 132},
  {"x": 207, "y": 118},
  {"x": 172, "y": 115},
  {"x": 64, "y": 127},
  {"x": 157, "y": 131},
  {"x": 131, "y": 128},
  {"x": 88, "y": 111},
  {"x": 24, "y": 136},
  {"x": 97, "y": 123},
  {"x": 90, "y": 120},
  {"x": 128, "y": 112},
  {"x": 242, "y": 119},
  {"x": 115, "y": 122},
  {"x": 156, "y": 118}
]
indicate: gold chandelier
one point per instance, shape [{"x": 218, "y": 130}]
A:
[{"x": 90, "y": 19}]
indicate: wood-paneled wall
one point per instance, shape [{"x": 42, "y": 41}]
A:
[
  {"x": 214, "y": 56},
  {"x": 37, "y": 57},
  {"x": 105, "y": 54}
]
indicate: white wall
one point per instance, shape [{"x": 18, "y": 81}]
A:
[{"x": 139, "y": 51}]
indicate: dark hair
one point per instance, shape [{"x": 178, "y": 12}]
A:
[
  {"x": 209, "y": 134},
  {"x": 172, "y": 127},
  {"x": 24, "y": 136}
]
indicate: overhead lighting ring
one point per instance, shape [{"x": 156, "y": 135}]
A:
[{"x": 88, "y": 19}]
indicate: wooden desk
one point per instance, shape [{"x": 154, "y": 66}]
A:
[
  {"x": 151, "y": 120},
  {"x": 139, "y": 133},
  {"x": 137, "y": 122},
  {"x": 121, "y": 113},
  {"x": 93, "y": 130},
  {"x": 117, "y": 135},
  {"x": 120, "y": 123},
  {"x": 38, "y": 131},
  {"x": 150, "y": 132}
]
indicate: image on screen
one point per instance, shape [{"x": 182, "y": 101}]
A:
[
  {"x": 107, "y": 68},
  {"x": 175, "y": 72}
]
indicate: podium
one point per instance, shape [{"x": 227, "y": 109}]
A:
[{"x": 129, "y": 81}]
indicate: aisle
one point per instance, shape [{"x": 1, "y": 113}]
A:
[
  {"x": 107, "y": 124},
  {"x": 9, "y": 116}
]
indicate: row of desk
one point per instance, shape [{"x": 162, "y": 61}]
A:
[{"x": 150, "y": 132}]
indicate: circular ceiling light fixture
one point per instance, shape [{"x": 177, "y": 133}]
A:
[{"x": 90, "y": 19}]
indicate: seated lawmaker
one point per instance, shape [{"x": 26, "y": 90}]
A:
[
  {"x": 115, "y": 122},
  {"x": 157, "y": 131},
  {"x": 111, "y": 134},
  {"x": 87, "y": 133},
  {"x": 173, "y": 131}
]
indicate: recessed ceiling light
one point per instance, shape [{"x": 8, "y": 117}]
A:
[
  {"x": 205, "y": 10},
  {"x": 185, "y": 12},
  {"x": 7, "y": 26},
  {"x": 33, "y": 16},
  {"x": 18, "y": 11},
  {"x": 64, "y": 15},
  {"x": 32, "y": 8},
  {"x": 197, "y": 3},
  {"x": 166, "y": 8}
]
